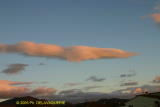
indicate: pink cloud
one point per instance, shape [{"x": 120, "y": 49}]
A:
[
  {"x": 43, "y": 91},
  {"x": 156, "y": 17},
  {"x": 138, "y": 90},
  {"x": 6, "y": 82},
  {"x": 73, "y": 53},
  {"x": 9, "y": 89}
]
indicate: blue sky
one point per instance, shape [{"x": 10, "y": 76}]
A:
[{"x": 98, "y": 23}]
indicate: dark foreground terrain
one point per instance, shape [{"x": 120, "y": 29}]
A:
[{"x": 99, "y": 103}]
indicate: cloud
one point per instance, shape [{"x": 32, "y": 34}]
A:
[
  {"x": 9, "y": 89},
  {"x": 6, "y": 82},
  {"x": 21, "y": 83},
  {"x": 91, "y": 87},
  {"x": 41, "y": 64},
  {"x": 70, "y": 91},
  {"x": 77, "y": 95},
  {"x": 156, "y": 79},
  {"x": 80, "y": 95},
  {"x": 127, "y": 75},
  {"x": 43, "y": 91},
  {"x": 129, "y": 84},
  {"x": 95, "y": 79},
  {"x": 84, "y": 88},
  {"x": 73, "y": 53},
  {"x": 157, "y": 6},
  {"x": 132, "y": 91},
  {"x": 138, "y": 90},
  {"x": 130, "y": 74},
  {"x": 14, "y": 68},
  {"x": 156, "y": 17},
  {"x": 72, "y": 84}
]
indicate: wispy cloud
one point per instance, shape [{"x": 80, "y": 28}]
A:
[
  {"x": 9, "y": 89},
  {"x": 72, "y": 84},
  {"x": 129, "y": 84},
  {"x": 127, "y": 75},
  {"x": 157, "y": 6},
  {"x": 6, "y": 82},
  {"x": 130, "y": 74},
  {"x": 91, "y": 87},
  {"x": 41, "y": 64},
  {"x": 156, "y": 15},
  {"x": 73, "y": 53},
  {"x": 70, "y": 91},
  {"x": 95, "y": 79},
  {"x": 14, "y": 68}
]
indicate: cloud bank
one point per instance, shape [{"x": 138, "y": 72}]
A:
[
  {"x": 73, "y": 53},
  {"x": 77, "y": 95},
  {"x": 9, "y": 89},
  {"x": 14, "y": 68}
]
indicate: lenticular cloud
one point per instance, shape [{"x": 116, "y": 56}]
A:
[{"x": 73, "y": 53}]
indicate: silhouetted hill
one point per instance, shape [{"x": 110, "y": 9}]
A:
[
  {"x": 103, "y": 103},
  {"x": 24, "y": 102},
  {"x": 14, "y": 100},
  {"x": 99, "y": 103}
]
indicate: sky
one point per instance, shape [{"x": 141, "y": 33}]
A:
[{"x": 64, "y": 47}]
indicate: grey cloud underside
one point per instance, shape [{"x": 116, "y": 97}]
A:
[
  {"x": 131, "y": 73},
  {"x": 157, "y": 6},
  {"x": 14, "y": 68},
  {"x": 95, "y": 79},
  {"x": 92, "y": 87},
  {"x": 129, "y": 84}
]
